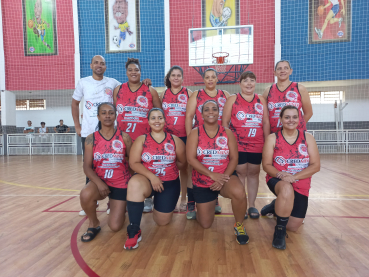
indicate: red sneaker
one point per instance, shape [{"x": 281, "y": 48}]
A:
[{"x": 133, "y": 237}]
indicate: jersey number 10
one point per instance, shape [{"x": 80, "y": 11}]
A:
[{"x": 108, "y": 173}]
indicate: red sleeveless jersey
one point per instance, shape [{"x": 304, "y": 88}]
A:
[
  {"x": 160, "y": 158},
  {"x": 133, "y": 108},
  {"x": 292, "y": 159},
  {"x": 213, "y": 153},
  {"x": 202, "y": 97},
  {"x": 278, "y": 99},
  {"x": 174, "y": 107},
  {"x": 109, "y": 163},
  {"x": 247, "y": 124}
]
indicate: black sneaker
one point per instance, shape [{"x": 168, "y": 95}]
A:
[
  {"x": 268, "y": 209},
  {"x": 240, "y": 232},
  {"x": 279, "y": 238}
]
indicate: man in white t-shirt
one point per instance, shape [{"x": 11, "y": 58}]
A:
[
  {"x": 94, "y": 89},
  {"x": 29, "y": 129}
]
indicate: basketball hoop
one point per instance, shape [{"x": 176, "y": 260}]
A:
[{"x": 220, "y": 61}]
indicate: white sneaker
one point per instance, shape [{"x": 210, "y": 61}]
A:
[
  {"x": 149, "y": 203},
  {"x": 108, "y": 209},
  {"x": 82, "y": 212}
]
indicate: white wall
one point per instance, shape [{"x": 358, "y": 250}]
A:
[
  {"x": 357, "y": 98},
  {"x": 8, "y": 107},
  {"x": 50, "y": 116}
]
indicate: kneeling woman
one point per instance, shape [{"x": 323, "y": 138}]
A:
[
  {"x": 290, "y": 158},
  {"x": 212, "y": 152},
  {"x": 155, "y": 157},
  {"x": 104, "y": 164}
]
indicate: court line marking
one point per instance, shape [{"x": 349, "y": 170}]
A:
[
  {"x": 35, "y": 187},
  {"x": 84, "y": 266},
  {"x": 324, "y": 216},
  {"x": 26, "y": 195},
  {"x": 260, "y": 193},
  {"x": 346, "y": 174},
  {"x": 75, "y": 251},
  {"x": 58, "y": 204}
]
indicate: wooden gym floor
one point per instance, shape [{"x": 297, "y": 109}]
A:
[{"x": 41, "y": 229}]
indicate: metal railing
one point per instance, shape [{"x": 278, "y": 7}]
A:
[
  {"x": 41, "y": 144},
  {"x": 342, "y": 141},
  {"x": 1, "y": 145}
]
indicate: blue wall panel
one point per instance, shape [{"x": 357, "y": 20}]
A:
[
  {"x": 326, "y": 61},
  {"x": 92, "y": 41}
]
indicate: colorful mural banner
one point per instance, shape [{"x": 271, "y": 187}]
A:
[
  {"x": 39, "y": 28},
  {"x": 220, "y": 13},
  {"x": 329, "y": 21},
  {"x": 122, "y": 26}
]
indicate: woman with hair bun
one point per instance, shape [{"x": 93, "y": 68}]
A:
[{"x": 133, "y": 101}]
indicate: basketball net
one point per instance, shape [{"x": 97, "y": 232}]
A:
[{"x": 220, "y": 61}]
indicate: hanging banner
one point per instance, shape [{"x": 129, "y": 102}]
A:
[
  {"x": 329, "y": 21},
  {"x": 39, "y": 28},
  {"x": 122, "y": 26},
  {"x": 220, "y": 13}
]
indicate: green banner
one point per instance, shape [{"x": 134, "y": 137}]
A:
[{"x": 39, "y": 28}]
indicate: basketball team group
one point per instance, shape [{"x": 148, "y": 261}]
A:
[{"x": 144, "y": 151}]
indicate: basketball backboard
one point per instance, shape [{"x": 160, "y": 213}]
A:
[{"x": 238, "y": 41}]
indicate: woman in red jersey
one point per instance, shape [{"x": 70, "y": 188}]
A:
[
  {"x": 194, "y": 107},
  {"x": 105, "y": 166},
  {"x": 290, "y": 158},
  {"x": 214, "y": 158},
  {"x": 133, "y": 101},
  {"x": 156, "y": 158},
  {"x": 174, "y": 100},
  {"x": 284, "y": 93},
  {"x": 246, "y": 115}
]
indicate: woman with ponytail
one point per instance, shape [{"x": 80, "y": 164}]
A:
[
  {"x": 156, "y": 158},
  {"x": 174, "y": 100}
]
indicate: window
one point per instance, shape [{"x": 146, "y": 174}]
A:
[
  {"x": 31, "y": 104},
  {"x": 326, "y": 97}
]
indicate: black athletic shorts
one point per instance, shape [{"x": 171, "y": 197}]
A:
[
  {"x": 184, "y": 139},
  {"x": 248, "y": 157},
  {"x": 300, "y": 204},
  {"x": 166, "y": 201},
  {"x": 118, "y": 193},
  {"x": 205, "y": 195}
]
